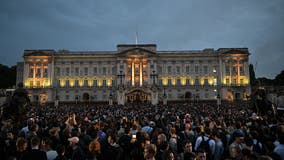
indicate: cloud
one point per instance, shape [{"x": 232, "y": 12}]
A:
[{"x": 172, "y": 25}]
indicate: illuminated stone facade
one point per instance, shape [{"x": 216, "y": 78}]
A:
[{"x": 136, "y": 73}]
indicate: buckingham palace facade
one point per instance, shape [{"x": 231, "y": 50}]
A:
[{"x": 136, "y": 73}]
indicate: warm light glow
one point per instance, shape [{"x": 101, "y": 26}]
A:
[
  {"x": 183, "y": 81},
  {"x": 62, "y": 83},
  {"x": 202, "y": 81},
  {"x": 81, "y": 82},
  {"x": 210, "y": 81},
  {"x": 141, "y": 74},
  {"x": 90, "y": 83},
  {"x": 72, "y": 82},
  {"x": 165, "y": 81},
  {"x": 174, "y": 81},
  {"x": 108, "y": 82},
  {"x": 100, "y": 83},
  {"x": 245, "y": 80},
  {"x": 46, "y": 83},
  {"x": 215, "y": 81},
  {"x": 132, "y": 67},
  {"x": 191, "y": 81}
]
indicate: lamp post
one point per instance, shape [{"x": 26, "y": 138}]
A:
[
  {"x": 120, "y": 88},
  {"x": 164, "y": 97}
]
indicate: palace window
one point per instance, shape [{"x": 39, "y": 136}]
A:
[
  {"x": 178, "y": 69},
  {"x": 68, "y": 71},
  {"x": 67, "y": 83},
  {"x": 38, "y": 72},
  {"x": 178, "y": 82},
  {"x": 76, "y": 71},
  {"x": 242, "y": 72},
  {"x": 196, "y": 68},
  {"x": 241, "y": 81},
  {"x": 58, "y": 83},
  {"x": 160, "y": 70},
  {"x": 169, "y": 82},
  {"x": 104, "y": 70},
  {"x": 187, "y": 69},
  {"x": 205, "y": 69},
  {"x": 31, "y": 73},
  {"x": 227, "y": 81},
  {"x": 45, "y": 73},
  {"x": 95, "y": 83},
  {"x": 227, "y": 69},
  {"x": 196, "y": 81},
  {"x": 86, "y": 70},
  {"x": 206, "y": 82},
  {"x": 95, "y": 70},
  {"x": 113, "y": 83},
  {"x": 169, "y": 69},
  {"x": 187, "y": 82},
  {"x": 76, "y": 83},
  {"x": 104, "y": 82},
  {"x": 234, "y": 81},
  {"x": 37, "y": 84},
  {"x": 85, "y": 83},
  {"x": 235, "y": 71},
  {"x": 31, "y": 83},
  {"x": 113, "y": 70}
]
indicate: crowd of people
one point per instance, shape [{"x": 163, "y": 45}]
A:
[{"x": 143, "y": 131}]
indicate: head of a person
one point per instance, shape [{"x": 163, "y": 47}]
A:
[
  {"x": 21, "y": 144},
  {"x": 150, "y": 151},
  {"x": 239, "y": 137},
  {"x": 95, "y": 147},
  {"x": 161, "y": 138},
  {"x": 60, "y": 150},
  {"x": 73, "y": 141},
  {"x": 46, "y": 144},
  {"x": 168, "y": 155},
  {"x": 201, "y": 154},
  {"x": 187, "y": 146},
  {"x": 189, "y": 156},
  {"x": 35, "y": 141},
  {"x": 234, "y": 152},
  {"x": 280, "y": 133}
]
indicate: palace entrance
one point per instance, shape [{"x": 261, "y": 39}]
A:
[{"x": 138, "y": 96}]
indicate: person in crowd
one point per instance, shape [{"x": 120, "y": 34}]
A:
[
  {"x": 279, "y": 149},
  {"x": 104, "y": 120},
  {"x": 35, "y": 152},
  {"x": 235, "y": 149},
  {"x": 187, "y": 148},
  {"x": 219, "y": 147},
  {"x": 77, "y": 152},
  {"x": 21, "y": 145},
  {"x": 206, "y": 143},
  {"x": 150, "y": 151},
  {"x": 61, "y": 152},
  {"x": 46, "y": 146},
  {"x": 201, "y": 155}
]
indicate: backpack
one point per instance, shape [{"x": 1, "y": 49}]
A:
[
  {"x": 204, "y": 145},
  {"x": 257, "y": 149}
]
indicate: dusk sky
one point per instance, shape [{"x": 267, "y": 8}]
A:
[{"x": 99, "y": 25}]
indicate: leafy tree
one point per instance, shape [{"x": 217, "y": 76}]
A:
[
  {"x": 279, "y": 79},
  {"x": 7, "y": 76},
  {"x": 253, "y": 81}
]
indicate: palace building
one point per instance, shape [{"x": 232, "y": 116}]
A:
[{"x": 135, "y": 73}]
